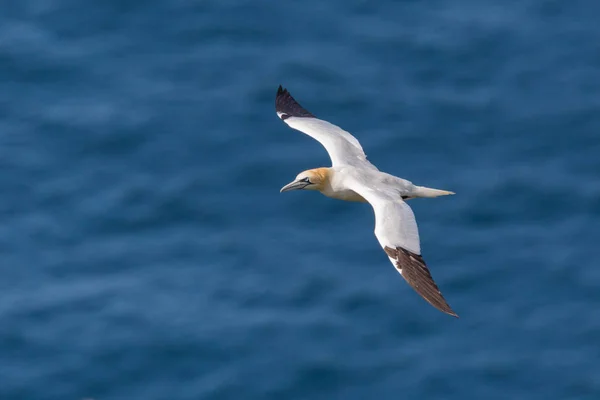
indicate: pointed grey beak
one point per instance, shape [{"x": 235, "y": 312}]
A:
[{"x": 295, "y": 185}]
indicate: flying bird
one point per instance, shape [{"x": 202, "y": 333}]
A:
[{"x": 352, "y": 177}]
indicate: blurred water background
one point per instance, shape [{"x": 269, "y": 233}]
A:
[{"x": 145, "y": 250}]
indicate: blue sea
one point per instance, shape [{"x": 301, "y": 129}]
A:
[{"x": 145, "y": 249}]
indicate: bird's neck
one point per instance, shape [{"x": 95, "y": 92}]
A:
[{"x": 333, "y": 188}]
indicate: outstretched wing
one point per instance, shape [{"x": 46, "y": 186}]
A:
[
  {"x": 397, "y": 233},
  {"x": 343, "y": 148}
]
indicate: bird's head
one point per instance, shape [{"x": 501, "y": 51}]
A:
[{"x": 312, "y": 179}]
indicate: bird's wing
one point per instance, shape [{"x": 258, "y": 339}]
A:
[
  {"x": 397, "y": 232},
  {"x": 343, "y": 148}
]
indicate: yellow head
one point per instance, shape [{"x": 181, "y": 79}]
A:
[{"x": 312, "y": 179}]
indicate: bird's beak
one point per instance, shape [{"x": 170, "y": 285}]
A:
[{"x": 295, "y": 185}]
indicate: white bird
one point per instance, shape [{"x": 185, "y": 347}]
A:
[{"x": 352, "y": 178}]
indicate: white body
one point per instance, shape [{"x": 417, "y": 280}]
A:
[{"x": 337, "y": 186}]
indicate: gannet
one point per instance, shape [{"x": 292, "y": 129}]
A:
[{"x": 352, "y": 177}]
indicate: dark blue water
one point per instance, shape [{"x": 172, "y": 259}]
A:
[{"x": 145, "y": 249}]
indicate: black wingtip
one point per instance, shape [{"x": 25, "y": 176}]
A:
[
  {"x": 288, "y": 106},
  {"x": 413, "y": 269}
]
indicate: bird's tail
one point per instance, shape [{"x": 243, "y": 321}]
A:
[{"x": 422, "y": 191}]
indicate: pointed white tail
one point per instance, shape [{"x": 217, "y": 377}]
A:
[{"x": 422, "y": 191}]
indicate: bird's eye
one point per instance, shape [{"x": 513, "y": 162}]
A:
[{"x": 305, "y": 180}]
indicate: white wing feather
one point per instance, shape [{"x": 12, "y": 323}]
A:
[
  {"x": 395, "y": 223},
  {"x": 343, "y": 148}
]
